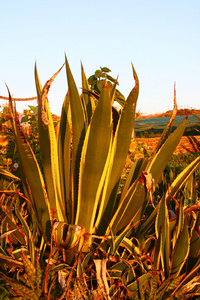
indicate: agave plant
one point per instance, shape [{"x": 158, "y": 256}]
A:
[
  {"x": 81, "y": 170},
  {"x": 79, "y": 211}
]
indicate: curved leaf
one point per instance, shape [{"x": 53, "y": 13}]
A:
[
  {"x": 9, "y": 174},
  {"x": 88, "y": 100},
  {"x": 119, "y": 153},
  {"x": 32, "y": 176},
  {"x": 48, "y": 149},
  {"x": 64, "y": 158},
  {"x": 78, "y": 131},
  {"x": 182, "y": 178},
  {"x": 162, "y": 232},
  {"x": 161, "y": 158},
  {"x": 181, "y": 250},
  {"x": 167, "y": 129},
  {"x": 142, "y": 279},
  {"x": 67, "y": 236}
]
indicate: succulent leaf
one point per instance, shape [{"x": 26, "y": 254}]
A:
[
  {"x": 94, "y": 160},
  {"x": 32, "y": 176}
]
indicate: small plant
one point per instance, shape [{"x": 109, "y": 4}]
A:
[
  {"x": 4, "y": 116},
  {"x": 97, "y": 80},
  {"x": 179, "y": 162}
]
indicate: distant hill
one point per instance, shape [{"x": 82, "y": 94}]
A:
[{"x": 181, "y": 112}]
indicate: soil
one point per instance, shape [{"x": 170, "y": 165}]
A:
[{"x": 188, "y": 144}]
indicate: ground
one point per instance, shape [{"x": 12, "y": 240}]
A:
[{"x": 188, "y": 144}]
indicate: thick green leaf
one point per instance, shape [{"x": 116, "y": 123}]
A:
[
  {"x": 173, "y": 283},
  {"x": 190, "y": 188},
  {"x": 164, "y": 286},
  {"x": 130, "y": 246},
  {"x": 26, "y": 229},
  {"x": 37, "y": 83},
  {"x": 17, "y": 253},
  {"x": 48, "y": 150},
  {"x": 122, "y": 138},
  {"x": 180, "y": 218},
  {"x": 195, "y": 239},
  {"x": 7, "y": 233},
  {"x": 113, "y": 92},
  {"x": 129, "y": 207},
  {"x": 129, "y": 274},
  {"x": 116, "y": 241},
  {"x": 9, "y": 174},
  {"x": 181, "y": 250},
  {"x": 9, "y": 261},
  {"x": 86, "y": 260},
  {"x": 94, "y": 161},
  {"x": 119, "y": 98},
  {"x": 60, "y": 267},
  {"x": 142, "y": 279},
  {"x": 117, "y": 269},
  {"x": 30, "y": 270},
  {"x": 181, "y": 179},
  {"x": 154, "y": 286},
  {"x": 78, "y": 131},
  {"x": 119, "y": 153},
  {"x": 88, "y": 100},
  {"x": 149, "y": 222},
  {"x": 137, "y": 168},
  {"x": 161, "y": 158},
  {"x": 162, "y": 231},
  {"x": 22, "y": 290},
  {"x": 168, "y": 128},
  {"x": 172, "y": 190},
  {"x": 7, "y": 221},
  {"x": 32, "y": 175},
  {"x": 64, "y": 159},
  {"x": 30, "y": 235}
]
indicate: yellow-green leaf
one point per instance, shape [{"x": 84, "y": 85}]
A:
[
  {"x": 94, "y": 161},
  {"x": 48, "y": 150},
  {"x": 181, "y": 250},
  {"x": 32, "y": 176},
  {"x": 9, "y": 174},
  {"x": 119, "y": 153},
  {"x": 88, "y": 100},
  {"x": 163, "y": 155},
  {"x": 78, "y": 131},
  {"x": 64, "y": 144},
  {"x": 182, "y": 178},
  {"x": 162, "y": 232}
]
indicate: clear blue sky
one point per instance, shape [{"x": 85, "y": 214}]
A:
[{"x": 161, "y": 38}]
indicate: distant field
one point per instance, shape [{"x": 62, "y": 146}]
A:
[
  {"x": 180, "y": 112},
  {"x": 159, "y": 123}
]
